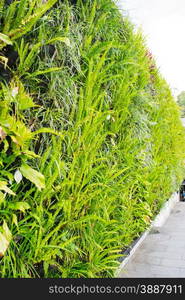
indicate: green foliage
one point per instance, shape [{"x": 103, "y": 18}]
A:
[
  {"x": 118, "y": 149},
  {"x": 19, "y": 18},
  {"x": 15, "y": 136}
]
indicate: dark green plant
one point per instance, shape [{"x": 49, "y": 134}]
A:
[{"x": 15, "y": 135}]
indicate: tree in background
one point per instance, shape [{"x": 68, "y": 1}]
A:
[{"x": 181, "y": 103}]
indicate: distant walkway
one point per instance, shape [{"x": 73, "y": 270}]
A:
[{"x": 162, "y": 253}]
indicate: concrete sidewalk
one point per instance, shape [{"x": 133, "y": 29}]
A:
[{"x": 162, "y": 253}]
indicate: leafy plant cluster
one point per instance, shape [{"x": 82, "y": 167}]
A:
[
  {"x": 88, "y": 104},
  {"x": 16, "y": 59}
]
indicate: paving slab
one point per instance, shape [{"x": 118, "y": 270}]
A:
[{"x": 162, "y": 253}]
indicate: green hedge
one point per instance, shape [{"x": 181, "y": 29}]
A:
[{"x": 112, "y": 149}]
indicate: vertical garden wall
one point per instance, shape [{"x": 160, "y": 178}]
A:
[{"x": 90, "y": 137}]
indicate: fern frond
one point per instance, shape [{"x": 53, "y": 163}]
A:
[{"x": 29, "y": 19}]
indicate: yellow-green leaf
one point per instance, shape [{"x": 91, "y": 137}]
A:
[
  {"x": 31, "y": 154},
  {"x": 6, "y": 231},
  {"x": 23, "y": 99},
  {"x": 4, "y": 60},
  {"x": 3, "y": 244},
  {"x": 49, "y": 70},
  {"x": 47, "y": 130},
  {"x": 5, "y": 238},
  {"x": 2, "y": 197},
  {"x": 22, "y": 206},
  {"x": 34, "y": 176},
  {"x": 65, "y": 40},
  {"x": 14, "y": 219},
  {"x": 3, "y": 187},
  {"x": 5, "y": 39}
]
